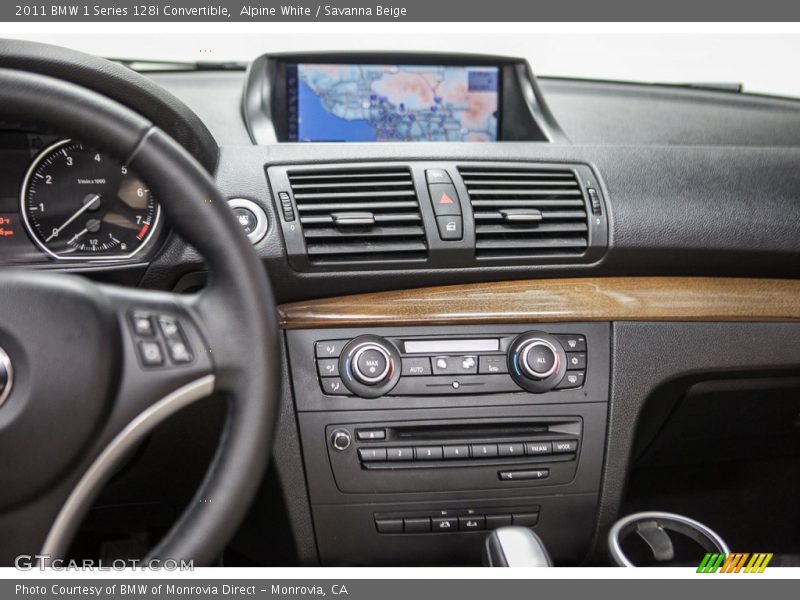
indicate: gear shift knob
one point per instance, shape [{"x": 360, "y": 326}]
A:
[{"x": 515, "y": 547}]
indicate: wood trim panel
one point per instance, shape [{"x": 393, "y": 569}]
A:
[{"x": 548, "y": 300}]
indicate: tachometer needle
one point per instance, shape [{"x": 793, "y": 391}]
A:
[{"x": 92, "y": 202}]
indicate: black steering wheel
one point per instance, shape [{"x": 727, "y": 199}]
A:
[{"x": 77, "y": 396}]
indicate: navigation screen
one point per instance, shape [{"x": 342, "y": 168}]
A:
[{"x": 392, "y": 103}]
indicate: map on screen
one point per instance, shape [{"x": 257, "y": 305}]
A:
[{"x": 392, "y": 103}]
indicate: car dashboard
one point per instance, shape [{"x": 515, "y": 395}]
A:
[{"x": 495, "y": 296}]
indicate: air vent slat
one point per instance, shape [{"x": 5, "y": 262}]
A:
[
  {"x": 558, "y": 223},
  {"x": 370, "y": 194},
  {"x": 338, "y": 248},
  {"x": 528, "y": 175},
  {"x": 371, "y": 232},
  {"x": 350, "y": 184},
  {"x": 543, "y": 228},
  {"x": 520, "y": 192},
  {"x": 360, "y": 206},
  {"x": 529, "y": 243},
  {"x": 498, "y": 203},
  {"x": 521, "y": 184},
  {"x": 353, "y": 215},
  {"x": 546, "y": 215}
]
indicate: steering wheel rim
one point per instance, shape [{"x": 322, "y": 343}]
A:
[{"x": 233, "y": 320}]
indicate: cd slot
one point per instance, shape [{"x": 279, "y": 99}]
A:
[{"x": 478, "y": 432}]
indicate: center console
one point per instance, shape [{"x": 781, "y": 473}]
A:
[{"x": 417, "y": 440}]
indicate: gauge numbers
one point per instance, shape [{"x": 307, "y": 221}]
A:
[{"x": 80, "y": 204}]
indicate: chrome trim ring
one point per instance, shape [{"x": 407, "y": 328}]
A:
[
  {"x": 5, "y": 362},
  {"x": 524, "y": 359},
  {"x": 680, "y": 523},
  {"x": 359, "y": 350},
  {"x": 35, "y": 236},
  {"x": 104, "y": 466},
  {"x": 262, "y": 222}
]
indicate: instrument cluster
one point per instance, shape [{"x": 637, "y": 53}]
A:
[{"x": 62, "y": 202}]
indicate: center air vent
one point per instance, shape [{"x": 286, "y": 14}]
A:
[
  {"x": 359, "y": 215},
  {"x": 527, "y": 212}
]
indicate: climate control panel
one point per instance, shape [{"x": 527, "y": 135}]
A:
[{"x": 370, "y": 366}]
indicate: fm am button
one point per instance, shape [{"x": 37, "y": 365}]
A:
[{"x": 444, "y": 199}]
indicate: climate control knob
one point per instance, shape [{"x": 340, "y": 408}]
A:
[
  {"x": 536, "y": 361},
  {"x": 369, "y": 366}
]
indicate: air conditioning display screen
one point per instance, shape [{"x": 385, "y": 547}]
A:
[{"x": 392, "y": 103}]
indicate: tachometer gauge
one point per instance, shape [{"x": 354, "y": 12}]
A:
[{"x": 80, "y": 204}]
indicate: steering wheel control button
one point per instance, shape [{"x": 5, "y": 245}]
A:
[
  {"x": 178, "y": 351},
  {"x": 169, "y": 326},
  {"x": 572, "y": 343},
  {"x": 565, "y": 446},
  {"x": 538, "y": 359},
  {"x": 151, "y": 354},
  {"x": 371, "y": 364},
  {"x": 251, "y": 217},
  {"x": 175, "y": 341},
  {"x": 143, "y": 325},
  {"x": 329, "y": 348},
  {"x": 576, "y": 360},
  {"x": 524, "y": 475},
  {"x": 6, "y": 376},
  {"x": 372, "y": 454},
  {"x": 572, "y": 379},
  {"x": 451, "y": 228},
  {"x": 370, "y": 435},
  {"x": 333, "y": 386},
  {"x": 341, "y": 439}
]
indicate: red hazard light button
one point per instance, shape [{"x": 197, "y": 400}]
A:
[{"x": 444, "y": 199}]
